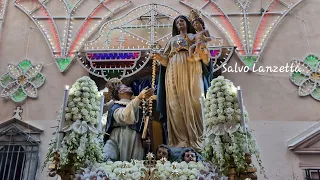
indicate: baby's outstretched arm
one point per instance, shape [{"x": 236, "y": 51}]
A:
[{"x": 207, "y": 36}]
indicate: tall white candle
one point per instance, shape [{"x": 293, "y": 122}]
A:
[
  {"x": 242, "y": 122},
  {"x": 101, "y": 111},
  {"x": 63, "y": 114},
  {"x": 240, "y": 103},
  {"x": 202, "y": 111}
]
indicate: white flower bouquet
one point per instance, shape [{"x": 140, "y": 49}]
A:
[
  {"x": 82, "y": 143},
  {"x": 224, "y": 140},
  {"x": 133, "y": 170}
]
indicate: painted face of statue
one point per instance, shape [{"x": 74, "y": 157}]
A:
[
  {"x": 189, "y": 156},
  {"x": 181, "y": 24},
  {"x": 197, "y": 25},
  {"x": 162, "y": 152},
  {"x": 123, "y": 89}
]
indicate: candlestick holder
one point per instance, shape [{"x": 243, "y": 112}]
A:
[
  {"x": 54, "y": 165},
  {"x": 232, "y": 171},
  {"x": 250, "y": 172},
  {"x": 150, "y": 170},
  {"x": 65, "y": 174}
]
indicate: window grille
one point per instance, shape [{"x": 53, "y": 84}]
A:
[{"x": 18, "y": 154}]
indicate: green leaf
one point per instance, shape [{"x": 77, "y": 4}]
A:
[
  {"x": 297, "y": 78},
  {"x": 63, "y": 63},
  {"x": 316, "y": 93},
  {"x": 5, "y": 80},
  {"x": 249, "y": 60},
  {"x": 25, "y": 65},
  {"x": 38, "y": 80},
  {"x": 19, "y": 95},
  {"x": 312, "y": 61}
]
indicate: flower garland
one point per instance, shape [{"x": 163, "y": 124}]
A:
[
  {"x": 224, "y": 140},
  {"x": 82, "y": 144},
  {"x": 133, "y": 170}
]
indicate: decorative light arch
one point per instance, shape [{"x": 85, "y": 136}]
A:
[
  {"x": 62, "y": 42},
  {"x": 124, "y": 45},
  {"x": 249, "y": 46},
  {"x": 3, "y": 8}
]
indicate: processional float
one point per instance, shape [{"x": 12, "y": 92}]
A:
[{"x": 123, "y": 49}]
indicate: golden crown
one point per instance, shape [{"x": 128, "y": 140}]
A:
[{"x": 194, "y": 14}]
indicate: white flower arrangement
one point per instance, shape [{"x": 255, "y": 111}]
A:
[
  {"x": 133, "y": 171},
  {"x": 224, "y": 140},
  {"x": 82, "y": 142}
]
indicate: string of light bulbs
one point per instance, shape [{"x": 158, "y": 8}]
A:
[{"x": 306, "y": 34}]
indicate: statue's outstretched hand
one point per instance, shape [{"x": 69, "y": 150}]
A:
[
  {"x": 146, "y": 93},
  {"x": 203, "y": 38}
]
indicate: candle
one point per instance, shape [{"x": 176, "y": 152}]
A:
[
  {"x": 202, "y": 111},
  {"x": 63, "y": 114},
  {"x": 240, "y": 103},
  {"x": 101, "y": 111},
  {"x": 242, "y": 122}
]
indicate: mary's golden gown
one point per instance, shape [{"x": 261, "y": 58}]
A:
[{"x": 184, "y": 86}]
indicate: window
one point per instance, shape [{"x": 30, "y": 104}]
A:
[
  {"x": 19, "y": 148},
  {"x": 312, "y": 174}
]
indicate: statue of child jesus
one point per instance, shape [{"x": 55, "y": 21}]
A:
[{"x": 199, "y": 43}]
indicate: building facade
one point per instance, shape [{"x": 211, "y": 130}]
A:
[{"x": 286, "y": 125}]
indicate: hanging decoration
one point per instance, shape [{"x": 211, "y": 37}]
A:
[
  {"x": 252, "y": 34},
  {"x": 3, "y": 8},
  {"x": 66, "y": 24},
  {"x": 22, "y": 81},
  {"x": 307, "y": 76},
  {"x": 124, "y": 45}
]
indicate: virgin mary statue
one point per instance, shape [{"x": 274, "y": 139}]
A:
[{"x": 181, "y": 83}]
